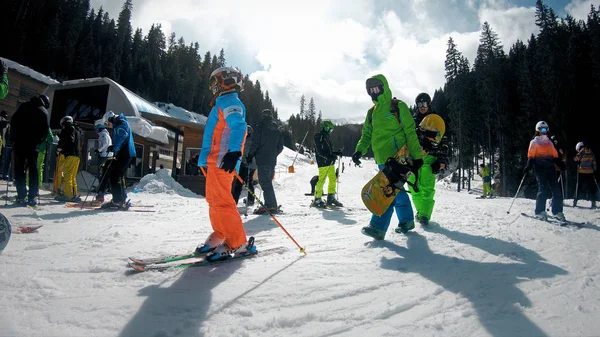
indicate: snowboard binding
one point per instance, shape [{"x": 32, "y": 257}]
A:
[{"x": 397, "y": 174}]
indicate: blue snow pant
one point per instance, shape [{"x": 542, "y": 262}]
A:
[
  {"x": 546, "y": 180},
  {"x": 403, "y": 208}
]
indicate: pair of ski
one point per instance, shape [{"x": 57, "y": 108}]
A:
[
  {"x": 554, "y": 220},
  {"x": 167, "y": 262},
  {"x": 97, "y": 206}
]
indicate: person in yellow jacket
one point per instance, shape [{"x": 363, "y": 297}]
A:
[{"x": 484, "y": 172}]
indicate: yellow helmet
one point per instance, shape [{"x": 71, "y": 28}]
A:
[{"x": 433, "y": 128}]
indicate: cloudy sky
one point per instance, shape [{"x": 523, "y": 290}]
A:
[{"x": 325, "y": 49}]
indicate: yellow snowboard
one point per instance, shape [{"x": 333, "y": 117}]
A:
[{"x": 379, "y": 193}]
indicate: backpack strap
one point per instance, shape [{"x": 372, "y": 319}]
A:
[{"x": 393, "y": 109}]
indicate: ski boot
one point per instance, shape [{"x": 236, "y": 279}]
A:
[
  {"x": 423, "y": 220},
  {"x": 593, "y": 204},
  {"x": 224, "y": 252},
  {"x": 404, "y": 227},
  {"x": 318, "y": 203},
  {"x": 262, "y": 210},
  {"x": 373, "y": 232},
  {"x": 114, "y": 205},
  {"x": 31, "y": 203},
  {"x": 332, "y": 201},
  {"x": 212, "y": 242},
  {"x": 248, "y": 202},
  {"x": 560, "y": 216},
  {"x": 542, "y": 216},
  {"x": 248, "y": 248}
]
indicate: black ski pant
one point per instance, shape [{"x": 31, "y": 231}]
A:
[
  {"x": 586, "y": 188},
  {"x": 546, "y": 179},
  {"x": 236, "y": 189},
  {"x": 103, "y": 175},
  {"x": 116, "y": 175},
  {"x": 26, "y": 160},
  {"x": 265, "y": 179},
  {"x": 5, "y": 161}
]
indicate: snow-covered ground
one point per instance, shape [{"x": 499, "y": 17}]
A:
[{"x": 480, "y": 272}]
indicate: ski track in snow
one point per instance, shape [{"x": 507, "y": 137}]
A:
[{"x": 476, "y": 271}]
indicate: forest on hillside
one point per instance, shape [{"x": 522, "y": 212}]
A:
[{"x": 491, "y": 106}]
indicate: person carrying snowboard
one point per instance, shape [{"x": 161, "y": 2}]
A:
[
  {"x": 541, "y": 157},
  {"x": 388, "y": 128},
  {"x": 326, "y": 159},
  {"x": 431, "y": 131},
  {"x": 222, "y": 147}
]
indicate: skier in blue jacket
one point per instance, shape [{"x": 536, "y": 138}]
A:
[{"x": 124, "y": 150}]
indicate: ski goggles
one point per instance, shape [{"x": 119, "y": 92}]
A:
[
  {"x": 433, "y": 135},
  {"x": 422, "y": 105},
  {"x": 374, "y": 86},
  {"x": 543, "y": 129}
]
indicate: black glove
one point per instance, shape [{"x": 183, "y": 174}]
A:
[
  {"x": 416, "y": 165},
  {"x": 97, "y": 152},
  {"x": 110, "y": 149},
  {"x": 230, "y": 160},
  {"x": 527, "y": 169},
  {"x": 337, "y": 153},
  {"x": 356, "y": 158},
  {"x": 3, "y": 68},
  {"x": 435, "y": 167}
]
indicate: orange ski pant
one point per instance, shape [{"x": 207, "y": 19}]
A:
[{"x": 224, "y": 216}]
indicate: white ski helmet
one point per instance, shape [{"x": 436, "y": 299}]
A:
[
  {"x": 225, "y": 79},
  {"x": 579, "y": 146},
  {"x": 542, "y": 125},
  {"x": 66, "y": 120}
]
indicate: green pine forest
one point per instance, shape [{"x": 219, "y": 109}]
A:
[{"x": 490, "y": 107}]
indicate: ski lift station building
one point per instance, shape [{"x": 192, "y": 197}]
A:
[{"x": 169, "y": 136}]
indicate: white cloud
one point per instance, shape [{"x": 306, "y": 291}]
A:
[
  {"x": 326, "y": 49},
  {"x": 579, "y": 9},
  {"x": 517, "y": 23}
]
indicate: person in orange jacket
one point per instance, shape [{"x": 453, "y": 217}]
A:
[
  {"x": 541, "y": 157},
  {"x": 222, "y": 147}
]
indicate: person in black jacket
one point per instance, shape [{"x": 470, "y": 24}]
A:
[
  {"x": 29, "y": 127},
  {"x": 267, "y": 144},
  {"x": 68, "y": 146},
  {"x": 326, "y": 159}
]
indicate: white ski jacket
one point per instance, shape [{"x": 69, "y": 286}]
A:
[{"x": 104, "y": 142}]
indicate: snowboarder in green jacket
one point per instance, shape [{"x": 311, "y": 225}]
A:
[{"x": 388, "y": 129}]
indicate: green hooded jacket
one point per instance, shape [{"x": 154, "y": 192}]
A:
[
  {"x": 3, "y": 86},
  {"x": 48, "y": 141},
  {"x": 382, "y": 131}
]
